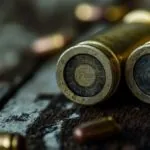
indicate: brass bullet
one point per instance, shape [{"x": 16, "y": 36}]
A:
[
  {"x": 90, "y": 71},
  {"x": 138, "y": 16},
  {"x": 138, "y": 72},
  {"x": 87, "y": 12},
  {"x": 9, "y": 141},
  {"x": 52, "y": 43},
  {"x": 96, "y": 130},
  {"x": 137, "y": 65}
]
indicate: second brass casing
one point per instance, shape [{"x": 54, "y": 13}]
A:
[
  {"x": 97, "y": 129},
  {"x": 90, "y": 71},
  {"x": 138, "y": 72}
]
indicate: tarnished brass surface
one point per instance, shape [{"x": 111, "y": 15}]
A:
[
  {"x": 96, "y": 130},
  {"x": 106, "y": 53},
  {"x": 138, "y": 72}
]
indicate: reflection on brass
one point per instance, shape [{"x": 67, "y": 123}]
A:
[
  {"x": 138, "y": 72},
  {"x": 89, "y": 72},
  {"x": 89, "y": 12},
  {"x": 138, "y": 16},
  {"x": 52, "y": 43},
  {"x": 12, "y": 142},
  {"x": 96, "y": 130}
]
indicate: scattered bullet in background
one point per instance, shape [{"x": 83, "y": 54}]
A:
[
  {"x": 88, "y": 12},
  {"x": 53, "y": 43},
  {"x": 138, "y": 16},
  {"x": 99, "y": 129},
  {"x": 9, "y": 141},
  {"x": 138, "y": 72}
]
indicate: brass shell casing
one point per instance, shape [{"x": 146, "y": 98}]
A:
[
  {"x": 90, "y": 71},
  {"x": 9, "y": 141},
  {"x": 138, "y": 72}
]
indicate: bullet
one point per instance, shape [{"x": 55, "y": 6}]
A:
[
  {"x": 87, "y": 12},
  {"x": 9, "y": 141},
  {"x": 52, "y": 43},
  {"x": 90, "y": 71},
  {"x": 96, "y": 130},
  {"x": 138, "y": 16},
  {"x": 138, "y": 72}
]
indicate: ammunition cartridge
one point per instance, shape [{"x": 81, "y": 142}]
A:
[
  {"x": 90, "y": 71},
  {"x": 9, "y": 141},
  {"x": 53, "y": 43},
  {"x": 137, "y": 65},
  {"x": 97, "y": 129},
  {"x": 138, "y": 72},
  {"x": 87, "y": 14}
]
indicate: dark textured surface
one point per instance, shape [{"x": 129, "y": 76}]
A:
[
  {"x": 132, "y": 115},
  {"x": 48, "y": 123}
]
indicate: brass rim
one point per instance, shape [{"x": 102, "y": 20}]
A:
[
  {"x": 104, "y": 59},
  {"x": 115, "y": 64},
  {"x": 130, "y": 63}
]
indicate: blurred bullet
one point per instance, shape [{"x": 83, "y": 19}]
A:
[
  {"x": 90, "y": 71},
  {"x": 96, "y": 130},
  {"x": 9, "y": 141},
  {"x": 138, "y": 16},
  {"x": 138, "y": 72},
  {"x": 52, "y": 43},
  {"x": 87, "y": 12}
]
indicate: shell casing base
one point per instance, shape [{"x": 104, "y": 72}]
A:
[
  {"x": 86, "y": 74},
  {"x": 138, "y": 72}
]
